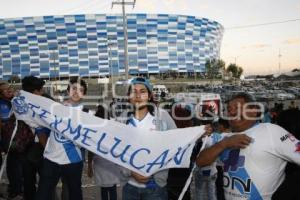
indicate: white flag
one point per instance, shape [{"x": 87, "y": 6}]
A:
[{"x": 145, "y": 154}]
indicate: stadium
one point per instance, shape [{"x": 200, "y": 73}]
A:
[{"x": 93, "y": 45}]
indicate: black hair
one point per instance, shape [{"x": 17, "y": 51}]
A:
[
  {"x": 248, "y": 98},
  {"x": 80, "y": 81},
  {"x": 48, "y": 96},
  {"x": 224, "y": 123},
  {"x": 102, "y": 112},
  {"x": 3, "y": 83},
  {"x": 289, "y": 120},
  {"x": 32, "y": 83}
]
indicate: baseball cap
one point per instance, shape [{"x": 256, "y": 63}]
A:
[{"x": 143, "y": 81}]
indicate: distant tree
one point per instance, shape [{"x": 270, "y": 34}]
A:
[
  {"x": 213, "y": 68},
  {"x": 240, "y": 72},
  {"x": 235, "y": 70}
]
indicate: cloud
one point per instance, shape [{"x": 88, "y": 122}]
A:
[
  {"x": 256, "y": 46},
  {"x": 292, "y": 41}
]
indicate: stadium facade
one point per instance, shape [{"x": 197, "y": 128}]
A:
[{"x": 93, "y": 45}]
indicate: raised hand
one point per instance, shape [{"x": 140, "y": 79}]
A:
[
  {"x": 237, "y": 141},
  {"x": 139, "y": 178}
]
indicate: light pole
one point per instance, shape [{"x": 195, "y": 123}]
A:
[
  {"x": 279, "y": 62},
  {"x": 124, "y": 3},
  {"x": 54, "y": 55},
  {"x": 53, "y": 58},
  {"x": 48, "y": 56},
  {"x": 235, "y": 58},
  {"x": 195, "y": 74},
  {"x": 109, "y": 45},
  {"x": 56, "y": 72}
]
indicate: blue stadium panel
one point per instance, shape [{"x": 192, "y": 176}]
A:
[{"x": 93, "y": 45}]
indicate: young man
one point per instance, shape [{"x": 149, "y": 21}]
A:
[
  {"x": 14, "y": 157},
  {"x": 6, "y": 94},
  {"x": 205, "y": 177},
  {"x": 106, "y": 173},
  {"x": 62, "y": 158},
  {"x": 33, "y": 160},
  {"x": 145, "y": 115},
  {"x": 254, "y": 155}
]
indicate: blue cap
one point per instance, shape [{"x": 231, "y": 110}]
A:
[{"x": 143, "y": 81}]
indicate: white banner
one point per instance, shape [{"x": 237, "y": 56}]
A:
[{"x": 144, "y": 153}]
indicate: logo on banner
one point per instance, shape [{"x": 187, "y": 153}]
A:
[
  {"x": 19, "y": 105},
  {"x": 60, "y": 138},
  {"x": 297, "y": 147}
]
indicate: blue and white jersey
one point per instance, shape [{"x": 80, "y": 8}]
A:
[
  {"x": 62, "y": 150},
  {"x": 40, "y": 130},
  {"x": 148, "y": 123},
  {"x": 5, "y": 110},
  {"x": 211, "y": 170},
  {"x": 257, "y": 171}
]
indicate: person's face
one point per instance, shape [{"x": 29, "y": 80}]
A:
[
  {"x": 6, "y": 91},
  {"x": 241, "y": 115},
  {"x": 139, "y": 95},
  {"x": 76, "y": 92}
]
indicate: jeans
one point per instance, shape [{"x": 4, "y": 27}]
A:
[
  {"x": 30, "y": 169},
  {"x": 51, "y": 172},
  {"x": 64, "y": 190},
  {"x": 131, "y": 192},
  {"x": 205, "y": 186},
  {"x": 220, "y": 184},
  {"x": 109, "y": 193},
  {"x": 14, "y": 173}
]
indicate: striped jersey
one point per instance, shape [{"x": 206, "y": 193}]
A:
[
  {"x": 258, "y": 170},
  {"x": 62, "y": 150}
]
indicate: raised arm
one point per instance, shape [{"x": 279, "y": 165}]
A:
[{"x": 209, "y": 155}]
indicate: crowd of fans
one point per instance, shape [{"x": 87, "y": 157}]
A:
[{"x": 34, "y": 151}]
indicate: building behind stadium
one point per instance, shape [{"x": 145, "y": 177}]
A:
[{"x": 93, "y": 45}]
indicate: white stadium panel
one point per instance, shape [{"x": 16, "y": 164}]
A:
[{"x": 169, "y": 40}]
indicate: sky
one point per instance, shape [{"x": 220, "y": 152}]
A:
[{"x": 256, "y": 49}]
